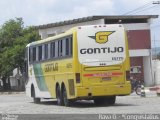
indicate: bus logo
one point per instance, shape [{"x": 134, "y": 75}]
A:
[{"x": 102, "y": 36}]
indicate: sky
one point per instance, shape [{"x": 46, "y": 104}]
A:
[{"x": 38, "y": 12}]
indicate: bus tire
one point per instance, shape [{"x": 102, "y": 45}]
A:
[
  {"x": 66, "y": 101},
  {"x": 100, "y": 101},
  {"x": 35, "y": 100},
  {"x": 105, "y": 100},
  {"x": 59, "y": 96},
  {"x": 111, "y": 100}
]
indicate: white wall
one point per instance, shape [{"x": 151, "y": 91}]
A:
[
  {"x": 60, "y": 29},
  {"x": 148, "y": 71}
]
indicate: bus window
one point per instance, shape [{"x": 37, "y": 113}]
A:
[
  {"x": 64, "y": 47},
  {"x": 26, "y": 64},
  {"x": 56, "y": 49},
  {"x": 53, "y": 50},
  {"x": 30, "y": 55},
  {"x": 67, "y": 47},
  {"x": 46, "y": 51},
  {"x": 39, "y": 53},
  {"x": 70, "y": 46},
  {"x": 60, "y": 48},
  {"x": 34, "y": 54}
]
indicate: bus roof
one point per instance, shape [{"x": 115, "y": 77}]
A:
[{"x": 67, "y": 33}]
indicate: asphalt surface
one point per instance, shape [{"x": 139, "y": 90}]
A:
[{"x": 25, "y": 109}]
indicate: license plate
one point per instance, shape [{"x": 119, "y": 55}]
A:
[{"x": 106, "y": 78}]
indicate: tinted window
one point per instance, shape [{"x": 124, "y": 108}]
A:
[
  {"x": 46, "y": 51},
  {"x": 34, "y": 54},
  {"x": 39, "y": 53},
  {"x": 52, "y": 49}
]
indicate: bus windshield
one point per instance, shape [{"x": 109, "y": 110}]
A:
[{"x": 104, "y": 43}]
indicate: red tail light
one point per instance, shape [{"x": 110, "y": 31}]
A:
[
  {"x": 78, "y": 78},
  {"x": 128, "y": 75}
]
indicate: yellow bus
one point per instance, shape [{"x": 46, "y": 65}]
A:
[{"x": 84, "y": 63}]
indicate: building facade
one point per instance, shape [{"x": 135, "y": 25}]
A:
[{"x": 138, "y": 33}]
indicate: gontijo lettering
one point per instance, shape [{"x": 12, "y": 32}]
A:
[{"x": 101, "y": 50}]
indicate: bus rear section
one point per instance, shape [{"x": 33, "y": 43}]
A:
[{"x": 103, "y": 63}]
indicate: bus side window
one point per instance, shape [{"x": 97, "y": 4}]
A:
[
  {"x": 70, "y": 46},
  {"x": 64, "y": 47},
  {"x": 67, "y": 46},
  {"x": 26, "y": 63},
  {"x": 46, "y": 51},
  {"x": 56, "y": 49},
  {"x": 34, "y": 54},
  {"x": 39, "y": 53},
  {"x": 30, "y": 55},
  {"x": 60, "y": 49},
  {"x": 53, "y": 50}
]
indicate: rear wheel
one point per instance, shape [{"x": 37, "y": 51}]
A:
[
  {"x": 111, "y": 100},
  {"x": 100, "y": 101},
  {"x": 59, "y": 96},
  {"x": 105, "y": 100},
  {"x": 66, "y": 101}
]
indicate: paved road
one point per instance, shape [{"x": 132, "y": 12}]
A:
[{"x": 20, "y": 104}]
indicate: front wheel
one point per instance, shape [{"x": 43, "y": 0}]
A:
[{"x": 35, "y": 100}]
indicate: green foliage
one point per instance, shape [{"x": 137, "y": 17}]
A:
[{"x": 13, "y": 40}]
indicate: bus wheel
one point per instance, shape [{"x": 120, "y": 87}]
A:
[
  {"x": 66, "y": 101},
  {"x": 35, "y": 100},
  {"x": 111, "y": 100},
  {"x": 100, "y": 101},
  {"x": 59, "y": 96},
  {"x": 105, "y": 100}
]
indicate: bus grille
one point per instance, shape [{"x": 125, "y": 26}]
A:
[{"x": 71, "y": 87}]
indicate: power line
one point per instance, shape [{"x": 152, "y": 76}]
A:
[
  {"x": 137, "y": 9},
  {"x": 144, "y": 7}
]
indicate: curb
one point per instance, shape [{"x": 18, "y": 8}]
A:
[
  {"x": 8, "y": 93},
  {"x": 150, "y": 91}
]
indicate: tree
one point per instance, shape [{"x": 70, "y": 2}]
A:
[{"x": 13, "y": 40}]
